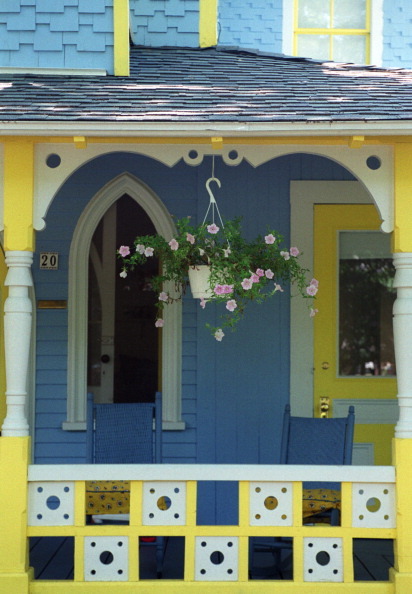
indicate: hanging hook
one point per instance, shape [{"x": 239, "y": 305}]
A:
[{"x": 209, "y": 191}]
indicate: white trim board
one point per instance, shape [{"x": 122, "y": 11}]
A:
[{"x": 369, "y": 411}]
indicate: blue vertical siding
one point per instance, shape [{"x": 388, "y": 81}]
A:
[{"x": 57, "y": 33}]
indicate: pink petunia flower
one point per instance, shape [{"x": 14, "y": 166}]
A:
[
  {"x": 123, "y": 274},
  {"x": 294, "y": 251},
  {"x": 148, "y": 252},
  {"x": 203, "y": 303},
  {"x": 260, "y": 272},
  {"x": 219, "y": 334},
  {"x": 140, "y": 248},
  {"x": 269, "y": 239},
  {"x": 159, "y": 323},
  {"x": 246, "y": 284},
  {"x": 269, "y": 274},
  {"x": 285, "y": 255},
  {"x": 255, "y": 278},
  {"x": 314, "y": 282},
  {"x": 173, "y": 244},
  {"x": 213, "y": 229},
  {"x": 311, "y": 290},
  {"x": 190, "y": 238},
  {"x": 231, "y": 305},
  {"x": 124, "y": 250},
  {"x": 163, "y": 296},
  {"x": 219, "y": 289},
  {"x": 278, "y": 288},
  {"x": 227, "y": 289},
  {"x": 313, "y": 312}
]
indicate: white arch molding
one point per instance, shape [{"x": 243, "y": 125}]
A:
[{"x": 78, "y": 300}]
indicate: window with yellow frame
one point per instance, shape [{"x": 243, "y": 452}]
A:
[{"x": 336, "y": 30}]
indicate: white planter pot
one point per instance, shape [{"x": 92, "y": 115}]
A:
[{"x": 199, "y": 281}]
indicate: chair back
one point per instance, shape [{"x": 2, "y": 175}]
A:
[
  {"x": 317, "y": 441},
  {"x": 120, "y": 433}
]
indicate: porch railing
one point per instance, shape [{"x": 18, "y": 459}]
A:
[{"x": 367, "y": 511}]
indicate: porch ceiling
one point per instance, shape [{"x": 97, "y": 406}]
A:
[{"x": 213, "y": 88}]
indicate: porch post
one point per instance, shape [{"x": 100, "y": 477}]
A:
[
  {"x": 17, "y": 330},
  {"x": 402, "y": 327}
]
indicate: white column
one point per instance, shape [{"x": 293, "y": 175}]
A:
[
  {"x": 17, "y": 330},
  {"x": 402, "y": 329}
]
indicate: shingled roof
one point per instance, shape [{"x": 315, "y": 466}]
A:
[{"x": 212, "y": 85}]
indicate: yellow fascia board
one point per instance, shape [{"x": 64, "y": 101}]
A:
[
  {"x": 121, "y": 29},
  {"x": 18, "y": 195},
  {"x": 207, "y": 23},
  {"x": 402, "y": 236},
  {"x": 207, "y": 139}
]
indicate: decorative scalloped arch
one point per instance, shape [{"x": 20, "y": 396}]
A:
[{"x": 78, "y": 298}]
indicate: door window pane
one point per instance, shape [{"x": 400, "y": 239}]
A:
[{"x": 366, "y": 297}]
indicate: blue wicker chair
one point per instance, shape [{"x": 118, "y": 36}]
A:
[
  {"x": 311, "y": 441},
  {"x": 120, "y": 433}
]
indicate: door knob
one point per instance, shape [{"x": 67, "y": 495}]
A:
[
  {"x": 105, "y": 358},
  {"x": 324, "y": 407}
]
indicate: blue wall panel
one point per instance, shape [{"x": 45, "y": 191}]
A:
[
  {"x": 158, "y": 23},
  {"x": 253, "y": 24},
  {"x": 233, "y": 392},
  {"x": 397, "y": 34},
  {"x": 72, "y": 34}
]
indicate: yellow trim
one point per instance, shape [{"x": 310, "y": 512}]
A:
[
  {"x": 207, "y": 23},
  {"x": 121, "y": 37},
  {"x": 402, "y": 454},
  {"x": 14, "y": 457},
  {"x": 403, "y": 204},
  {"x": 232, "y": 140},
  {"x": 3, "y": 297},
  {"x": 18, "y": 195}
]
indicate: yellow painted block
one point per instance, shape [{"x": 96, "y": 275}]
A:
[
  {"x": 402, "y": 455},
  {"x": 18, "y": 195},
  {"x": 3, "y": 297},
  {"x": 14, "y": 456},
  {"x": 207, "y": 23},
  {"x": 403, "y": 204},
  {"x": 121, "y": 37}
]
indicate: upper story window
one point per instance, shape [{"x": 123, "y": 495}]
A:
[{"x": 338, "y": 30}]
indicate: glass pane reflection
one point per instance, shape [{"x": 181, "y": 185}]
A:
[{"x": 366, "y": 297}]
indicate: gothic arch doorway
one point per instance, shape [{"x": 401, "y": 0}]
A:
[{"x": 123, "y": 343}]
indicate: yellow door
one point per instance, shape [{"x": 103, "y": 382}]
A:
[{"x": 353, "y": 351}]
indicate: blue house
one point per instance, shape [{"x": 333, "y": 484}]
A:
[{"x": 114, "y": 114}]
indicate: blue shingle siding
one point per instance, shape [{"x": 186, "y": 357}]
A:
[
  {"x": 254, "y": 24},
  {"x": 30, "y": 29},
  {"x": 397, "y": 33},
  {"x": 157, "y": 23}
]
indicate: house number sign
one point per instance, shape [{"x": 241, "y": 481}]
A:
[{"x": 49, "y": 261}]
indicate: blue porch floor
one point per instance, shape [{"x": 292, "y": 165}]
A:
[{"x": 52, "y": 559}]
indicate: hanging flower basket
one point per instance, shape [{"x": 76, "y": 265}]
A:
[
  {"x": 240, "y": 270},
  {"x": 199, "y": 280}
]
